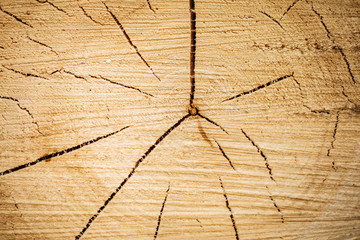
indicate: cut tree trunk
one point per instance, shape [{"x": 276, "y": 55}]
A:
[{"x": 155, "y": 119}]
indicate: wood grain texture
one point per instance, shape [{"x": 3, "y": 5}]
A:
[{"x": 151, "y": 119}]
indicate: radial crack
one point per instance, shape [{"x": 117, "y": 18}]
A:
[
  {"x": 259, "y": 87},
  {"x": 53, "y": 5},
  {"x": 24, "y": 109},
  {"x": 15, "y": 17},
  {"x": 42, "y": 44},
  {"x": 25, "y": 74},
  {"x": 150, "y": 7},
  {"x": 225, "y": 156},
  {"x": 123, "y": 85},
  {"x": 192, "y": 49},
  {"x": 89, "y": 16},
  {"x": 275, "y": 205},
  {"x": 161, "y": 212},
  {"x": 261, "y": 153},
  {"x": 132, "y": 172},
  {"x": 334, "y": 138},
  {"x": 347, "y": 97},
  {"x": 317, "y": 111},
  {"x": 130, "y": 41},
  {"x": 335, "y": 47},
  {"x": 288, "y": 9},
  {"x": 62, "y": 152},
  {"x": 212, "y": 122},
  {"x": 346, "y": 62},
  {"x": 229, "y": 208},
  {"x": 328, "y": 34},
  {"x": 273, "y": 19},
  {"x": 73, "y": 74}
]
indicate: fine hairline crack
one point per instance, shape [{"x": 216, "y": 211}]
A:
[
  {"x": 161, "y": 212},
  {"x": 130, "y": 41},
  {"x": 229, "y": 209},
  {"x": 24, "y": 109}
]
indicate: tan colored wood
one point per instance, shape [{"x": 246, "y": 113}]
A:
[{"x": 99, "y": 139}]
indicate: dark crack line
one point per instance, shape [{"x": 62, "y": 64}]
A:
[
  {"x": 54, "y": 6},
  {"x": 130, "y": 42},
  {"x": 347, "y": 97},
  {"x": 150, "y": 7},
  {"x": 24, "y": 109},
  {"x": 56, "y": 154},
  {"x": 10, "y": 98},
  {"x": 25, "y": 74},
  {"x": 225, "y": 156},
  {"x": 161, "y": 212},
  {"x": 317, "y": 111},
  {"x": 123, "y": 85},
  {"x": 273, "y": 19},
  {"x": 89, "y": 16},
  {"x": 15, "y": 17},
  {"x": 229, "y": 208},
  {"x": 42, "y": 44},
  {"x": 259, "y": 87},
  {"x": 275, "y": 205},
  {"x": 323, "y": 111},
  {"x": 192, "y": 49},
  {"x": 261, "y": 153},
  {"x": 73, "y": 74},
  {"x": 328, "y": 34},
  {"x": 132, "y": 172},
  {"x": 335, "y": 47},
  {"x": 212, "y": 122},
  {"x": 334, "y": 138},
  {"x": 288, "y": 9},
  {"x": 347, "y": 63}
]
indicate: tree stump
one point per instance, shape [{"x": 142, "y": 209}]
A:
[{"x": 155, "y": 119}]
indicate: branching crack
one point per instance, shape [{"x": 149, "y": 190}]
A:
[
  {"x": 275, "y": 205},
  {"x": 15, "y": 17},
  {"x": 24, "y": 109},
  {"x": 123, "y": 85},
  {"x": 225, "y": 156},
  {"x": 25, "y": 74},
  {"x": 130, "y": 41},
  {"x": 53, "y": 5},
  {"x": 132, "y": 172},
  {"x": 261, "y": 153},
  {"x": 192, "y": 49},
  {"x": 334, "y": 138},
  {"x": 89, "y": 16},
  {"x": 161, "y": 212},
  {"x": 229, "y": 208},
  {"x": 259, "y": 87},
  {"x": 272, "y": 18},
  {"x": 62, "y": 152}
]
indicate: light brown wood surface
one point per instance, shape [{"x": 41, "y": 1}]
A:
[{"x": 280, "y": 161}]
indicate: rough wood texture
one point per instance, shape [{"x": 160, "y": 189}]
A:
[{"x": 154, "y": 119}]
